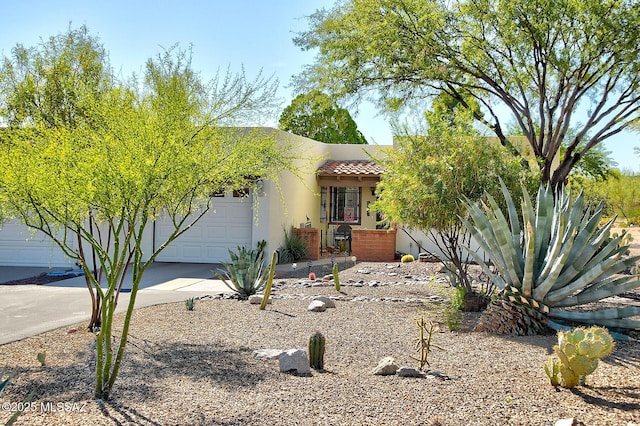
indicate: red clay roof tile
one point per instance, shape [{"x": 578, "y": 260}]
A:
[{"x": 350, "y": 167}]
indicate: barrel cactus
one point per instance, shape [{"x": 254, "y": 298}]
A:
[
  {"x": 559, "y": 258},
  {"x": 577, "y": 355},
  {"x": 316, "y": 351},
  {"x": 407, "y": 258}
]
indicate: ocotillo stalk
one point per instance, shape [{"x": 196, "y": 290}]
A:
[
  {"x": 336, "y": 278},
  {"x": 267, "y": 290}
]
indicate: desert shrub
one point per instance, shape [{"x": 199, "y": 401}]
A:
[{"x": 294, "y": 248}]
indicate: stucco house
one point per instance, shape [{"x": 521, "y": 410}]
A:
[
  {"x": 327, "y": 205},
  {"x": 335, "y": 187}
]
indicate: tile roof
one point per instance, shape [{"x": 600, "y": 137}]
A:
[{"x": 350, "y": 168}]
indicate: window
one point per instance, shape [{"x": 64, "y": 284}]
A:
[
  {"x": 241, "y": 193},
  {"x": 345, "y": 205}
]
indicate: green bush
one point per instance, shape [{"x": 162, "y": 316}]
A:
[{"x": 294, "y": 248}]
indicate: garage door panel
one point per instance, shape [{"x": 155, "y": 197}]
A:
[
  {"x": 19, "y": 246},
  {"x": 226, "y": 226}
]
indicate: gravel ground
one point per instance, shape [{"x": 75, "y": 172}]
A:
[{"x": 198, "y": 368}]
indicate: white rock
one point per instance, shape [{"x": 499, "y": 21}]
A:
[
  {"x": 386, "y": 367},
  {"x": 256, "y": 299},
  {"x": 267, "y": 353},
  {"x": 294, "y": 360},
  {"x": 329, "y": 303},
  {"x": 317, "y": 306}
]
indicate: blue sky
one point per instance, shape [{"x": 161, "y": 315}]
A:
[{"x": 256, "y": 34}]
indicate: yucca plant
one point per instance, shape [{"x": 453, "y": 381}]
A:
[
  {"x": 244, "y": 274},
  {"x": 294, "y": 248},
  {"x": 559, "y": 258}
]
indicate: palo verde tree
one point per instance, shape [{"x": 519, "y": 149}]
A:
[
  {"x": 54, "y": 85},
  {"x": 540, "y": 61},
  {"x": 145, "y": 149},
  {"x": 316, "y": 116},
  {"x": 426, "y": 177}
]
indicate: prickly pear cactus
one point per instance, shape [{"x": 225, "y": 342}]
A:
[
  {"x": 577, "y": 355},
  {"x": 316, "y": 351}
]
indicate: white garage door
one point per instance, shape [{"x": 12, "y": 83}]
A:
[
  {"x": 226, "y": 226},
  {"x": 20, "y": 247}
]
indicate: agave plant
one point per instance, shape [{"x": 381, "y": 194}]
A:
[
  {"x": 244, "y": 274},
  {"x": 559, "y": 258}
]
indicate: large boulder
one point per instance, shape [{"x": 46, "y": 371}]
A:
[{"x": 294, "y": 361}]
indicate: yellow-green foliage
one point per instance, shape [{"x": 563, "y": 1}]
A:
[
  {"x": 336, "y": 277},
  {"x": 577, "y": 355},
  {"x": 407, "y": 258}
]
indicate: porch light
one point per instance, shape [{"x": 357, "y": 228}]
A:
[{"x": 260, "y": 187}]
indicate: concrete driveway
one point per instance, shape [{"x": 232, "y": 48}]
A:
[{"x": 27, "y": 310}]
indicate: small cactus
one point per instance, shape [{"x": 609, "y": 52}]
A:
[
  {"x": 42, "y": 357},
  {"x": 190, "y": 303},
  {"x": 336, "y": 278},
  {"x": 407, "y": 258},
  {"x": 577, "y": 355},
  {"x": 267, "y": 290},
  {"x": 316, "y": 351},
  {"x": 312, "y": 276}
]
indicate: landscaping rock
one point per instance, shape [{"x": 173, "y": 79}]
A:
[
  {"x": 437, "y": 375},
  {"x": 267, "y": 353},
  {"x": 328, "y": 277},
  {"x": 386, "y": 367},
  {"x": 317, "y": 306},
  {"x": 409, "y": 372},
  {"x": 328, "y": 303},
  {"x": 256, "y": 299},
  {"x": 294, "y": 361}
]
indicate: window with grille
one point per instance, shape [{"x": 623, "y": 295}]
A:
[{"x": 345, "y": 205}]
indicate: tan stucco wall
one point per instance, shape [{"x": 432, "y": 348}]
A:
[{"x": 299, "y": 196}]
